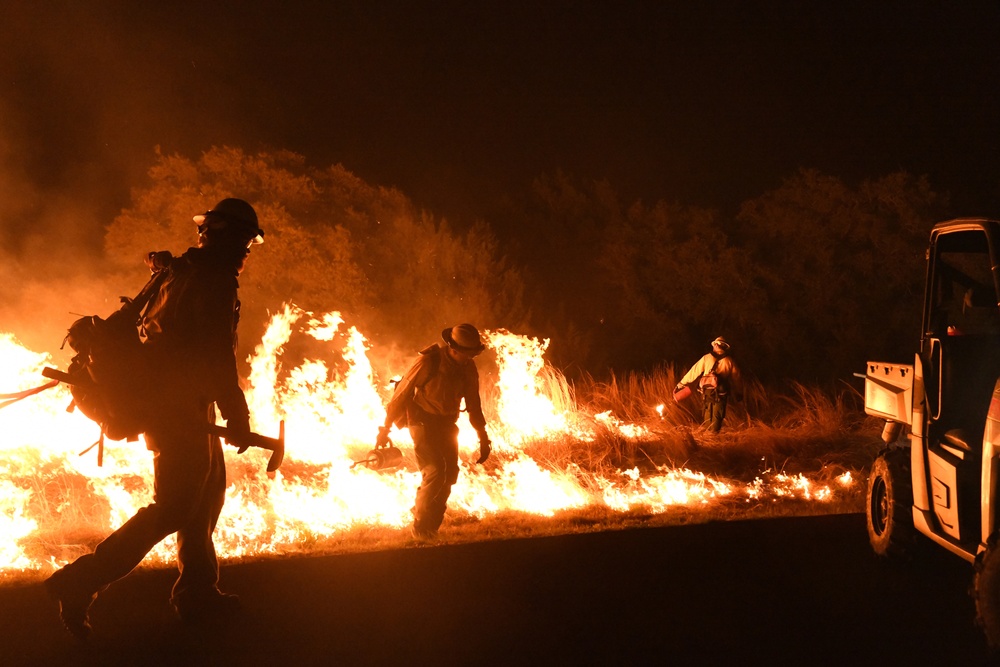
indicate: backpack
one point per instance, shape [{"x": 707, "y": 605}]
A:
[
  {"x": 403, "y": 420},
  {"x": 108, "y": 375},
  {"x": 709, "y": 382}
]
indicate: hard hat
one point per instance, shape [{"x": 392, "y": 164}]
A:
[
  {"x": 464, "y": 338},
  {"x": 721, "y": 342},
  {"x": 231, "y": 217}
]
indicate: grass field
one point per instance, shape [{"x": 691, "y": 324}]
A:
[
  {"x": 818, "y": 435},
  {"x": 800, "y": 452}
]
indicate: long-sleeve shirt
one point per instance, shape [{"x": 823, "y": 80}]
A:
[
  {"x": 725, "y": 368},
  {"x": 436, "y": 384},
  {"x": 190, "y": 328}
]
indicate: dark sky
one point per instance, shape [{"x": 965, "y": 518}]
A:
[{"x": 456, "y": 103}]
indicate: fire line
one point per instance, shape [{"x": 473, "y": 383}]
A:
[{"x": 55, "y": 503}]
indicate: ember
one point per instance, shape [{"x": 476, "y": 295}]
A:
[{"x": 316, "y": 373}]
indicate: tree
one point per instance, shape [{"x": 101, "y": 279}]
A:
[
  {"x": 332, "y": 242},
  {"x": 807, "y": 282},
  {"x": 842, "y": 269},
  {"x": 681, "y": 282}
]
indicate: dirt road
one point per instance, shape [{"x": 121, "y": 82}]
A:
[{"x": 784, "y": 591}]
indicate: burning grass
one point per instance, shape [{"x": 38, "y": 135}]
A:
[
  {"x": 568, "y": 458},
  {"x": 806, "y": 431}
]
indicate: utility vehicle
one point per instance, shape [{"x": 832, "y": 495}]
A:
[{"x": 938, "y": 474}]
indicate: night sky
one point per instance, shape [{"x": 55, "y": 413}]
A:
[{"x": 460, "y": 103}]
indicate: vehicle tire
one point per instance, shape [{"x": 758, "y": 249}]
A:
[
  {"x": 890, "y": 503},
  {"x": 986, "y": 591}
]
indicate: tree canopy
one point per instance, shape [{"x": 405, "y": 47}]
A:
[
  {"x": 331, "y": 242},
  {"x": 807, "y": 281}
]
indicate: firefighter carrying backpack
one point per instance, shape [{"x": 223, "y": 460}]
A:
[
  {"x": 709, "y": 382},
  {"x": 108, "y": 376},
  {"x": 410, "y": 408}
]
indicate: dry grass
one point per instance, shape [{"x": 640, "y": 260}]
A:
[
  {"x": 71, "y": 517},
  {"x": 804, "y": 431}
]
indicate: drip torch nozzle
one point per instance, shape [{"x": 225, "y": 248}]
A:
[{"x": 382, "y": 457}]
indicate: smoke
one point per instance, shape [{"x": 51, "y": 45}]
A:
[
  {"x": 49, "y": 269},
  {"x": 49, "y": 260},
  {"x": 86, "y": 93}
]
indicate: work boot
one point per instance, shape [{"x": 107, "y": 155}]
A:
[
  {"x": 74, "y": 602},
  {"x": 207, "y": 605},
  {"x": 422, "y": 534}
]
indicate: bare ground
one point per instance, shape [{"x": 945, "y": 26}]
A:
[{"x": 792, "y": 591}]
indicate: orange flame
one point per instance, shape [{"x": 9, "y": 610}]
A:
[{"x": 52, "y": 498}]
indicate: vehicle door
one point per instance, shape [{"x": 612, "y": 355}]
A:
[{"x": 960, "y": 366}]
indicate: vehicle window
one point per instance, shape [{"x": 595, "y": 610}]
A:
[{"x": 965, "y": 302}]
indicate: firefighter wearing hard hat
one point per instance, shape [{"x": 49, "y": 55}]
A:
[
  {"x": 427, "y": 400},
  {"x": 189, "y": 332},
  {"x": 716, "y": 377}
]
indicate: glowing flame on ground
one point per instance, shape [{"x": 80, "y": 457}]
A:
[{"x": 53, "y": 500}]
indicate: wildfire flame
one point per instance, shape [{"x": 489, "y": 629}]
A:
[{"x": 53, "y": 500}]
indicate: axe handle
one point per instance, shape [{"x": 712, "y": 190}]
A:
[
  {"x": 253, "y": 439},
  {"x": 275, "y": 445}
]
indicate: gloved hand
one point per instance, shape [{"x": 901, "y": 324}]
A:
[
  {"x": 383, "y": 437},
  {"x": 484, "y": 449},
  {"x": 238, "y": 428}
]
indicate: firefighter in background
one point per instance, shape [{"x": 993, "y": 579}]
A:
[
  {"x": 428, "y": 400},
  {"x": 716, "y": 377},
  {"x": 189, "y": 335}
]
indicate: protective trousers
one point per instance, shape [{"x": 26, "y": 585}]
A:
[
  {"x": 436, "y": 447},
  {"x": 189, "y": 476},
  {"x": 714, "y": 410}
]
